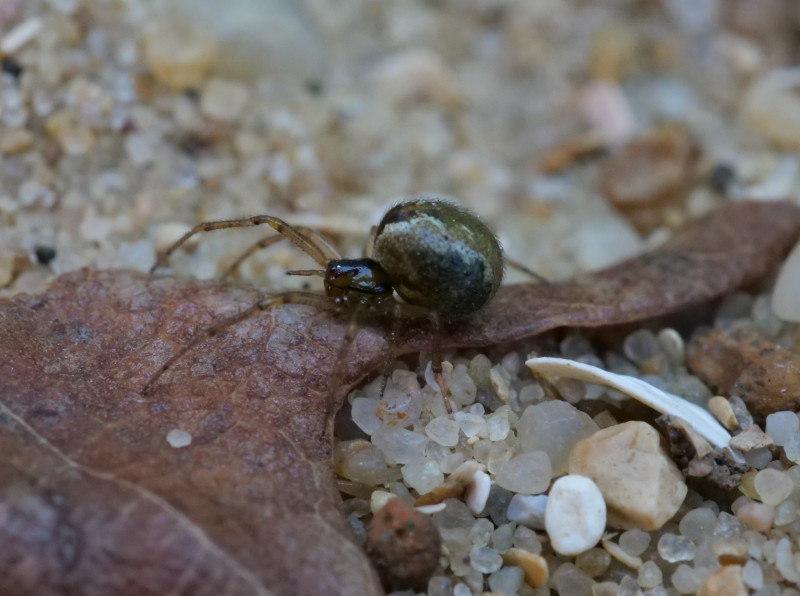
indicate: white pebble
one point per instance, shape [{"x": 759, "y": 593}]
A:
[
  {"x": 477, "y": 493},
  {"x": 575, "y": 517},
  {"x": 527, "y": 510},
  {"x": 178, "y": 438}
]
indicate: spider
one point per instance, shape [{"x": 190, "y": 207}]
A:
[{"x": 440, "y": 258}]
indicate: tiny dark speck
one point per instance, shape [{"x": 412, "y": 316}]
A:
[
  {"x": 68, "y": 544},
  {"x": 45, "y": 254},
  {"x": 12, "y": 67}
]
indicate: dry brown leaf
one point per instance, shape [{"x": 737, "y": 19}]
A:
[{"x": 93, "y": 499}]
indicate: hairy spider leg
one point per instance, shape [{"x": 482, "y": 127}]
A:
[
  {"x": 312, "y": 236},
  {"x": 520, "y": 267},
  {"x": 280, "y": 226},
  {"x": 347, "y": 340},
  {"x": 209, "y": 332}
]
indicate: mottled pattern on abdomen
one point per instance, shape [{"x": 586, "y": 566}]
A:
[{"x": 440, "y": 256}]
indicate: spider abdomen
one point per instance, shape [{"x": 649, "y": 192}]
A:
[{"x": 440, "y": 256}]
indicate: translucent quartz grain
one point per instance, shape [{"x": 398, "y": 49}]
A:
[
  {"x": 782, "y": 426},
  {"x": 498, "y": 426},
  {"x": 634, "y": 542},
  {"x": 530, "y": 394},
  {"x": 593, "y": 562},
  {"x": 574, "y": 346},
  {"x": 571, "y": 390},
  {"x": 512, "y": 362},
  {"x": 605, "y": 589},
  {"x": 422, "y": 474},
  {"x": 471, "y": 424},
  {"x": 784, "y": 561},
  {"x": 554, "y": 427},
  {"x": 528, "y": 473},
  {"x": 362, "y": 411},
  {"x": 792, "y": 448},
  {"x": 462, "y": 590},
  {"x": 398, "y": 444},
  {"x": 673, "y": 548},
  {"x": 685, "y": 580},
  {"x": 526, "y": 539},
  {"x": 753, "y": 575},
  {"x": 571, "y": 581},
  {"x": 773, "y": 486},
  {"x": 484, "y": 559},
  {"x": 640, "y": 346},
  {"x": 503, "y": 537},
  {"x": 440, "y": 586},
  {"x": 628, "y": 587},
  {"x": 698, "y": 523},
  {"x": 481, "y": 532},
  {"x": 474, "y": 579},
  {"x": 362, "y": 462},
  {"x": 401, "y": 404},
  {"x": 507, "y": 581},
  {"x": 649, "y": 575},
  {"x": 442, "y": 430},
  {"x": 758, "y": 458},
  {"x": 528, "y": 510},
  {"x": 785, "y": 513},
  {"x": 462, "y": 386},
  {"x": 478, "y": 370}
]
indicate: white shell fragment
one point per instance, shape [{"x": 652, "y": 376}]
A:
[
  {"x": 666, "y": 403},
  {"x": 575, "y": 516},
  {"x": 431, "y": 509}
]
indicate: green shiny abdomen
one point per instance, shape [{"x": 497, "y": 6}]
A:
[{"x": 440, "y": 256}]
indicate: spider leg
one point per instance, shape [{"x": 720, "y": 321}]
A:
[
  {"x": 320, "y": 243},
  {"x": 280, "y": 226},
  {"x": 216, "y": 328},
  {"x": 520, "y": 267},
  {"x": 349, "y": 337}
]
